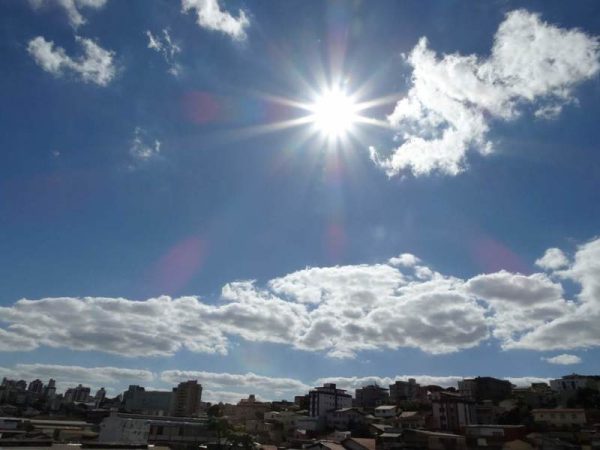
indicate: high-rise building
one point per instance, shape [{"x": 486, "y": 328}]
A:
[
  {"x": 36, "y": 387},
  {"x": 405, "y": 390},
  {"x": 100, "y": 394},
  {"x": 187, "y": 399},
  {"x": 485, "y": 388},
  {"x": 327, "y": 398},
  {"x": 370, "y": 396},
  {"x": 156, "y": 403},
  {"x": 50, "y": 389},
  {"x": 452, "y": 412},
  {"x": 77, "y": 394}
]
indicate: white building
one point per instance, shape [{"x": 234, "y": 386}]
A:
[
  {"x": 327, "y": 398},
  {"x": 385, "y": 411},
  {"x": 452, "y": 412},
  {"x": 570, "y": 383},
  {"x": 125, "y": 430},
  {"x": 143, "y": 429}
]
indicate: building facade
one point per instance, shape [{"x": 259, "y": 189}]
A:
[
  {"x": 186, "y": 400},
  {"x": 327, "y": 398},
  {"x": 370, "y": 396},
  {"x": 452, "y": 412},
  {"x": 573, "y": 382},
  {"x": 560, "y": 416},
  {"x": 485, "y": 388},
  {"x": 404, "y": 390},
  {"x": 137, "y": 400}
]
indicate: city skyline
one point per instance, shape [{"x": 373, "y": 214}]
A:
[{"x": 286, "y": 194}]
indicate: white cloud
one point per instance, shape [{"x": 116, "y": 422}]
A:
[
  {"x": 226, "y": 387},
  {"x": 157, "y": 326},
  {"x": 353, "y": 383},
  {"x": 232, "y": 387},
  {"x": 405, "y": 259},
  {"x": 72, "y": 8},
  {"x": 69, "y": 376},
  {"x": 579, "y": 328},
  {"x": 449, "y": 107},
  {"x": 141, "y": 150},
  {"x": 337, "y": 310},
  {"x": 519, "y": 303},
  {"x": 95, "y": 65},
  {"x": 553, "y": 259},
  {"x": 165, "y": 46},
  {"x": 526, "y": 381},
  {"x": 564, "y": 359},
  {"x": 212, "y": 17},
  {"x": 230, "y": 397},
  {"x": 15, "y": 341}
]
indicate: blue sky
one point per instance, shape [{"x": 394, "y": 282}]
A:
[{"x": 163, "y": 222}]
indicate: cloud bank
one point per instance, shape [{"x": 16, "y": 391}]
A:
[
  {"x": 226, "y": 387},
  {"x": 337, "y": 310},
  {"x": 454, "y": 99}
]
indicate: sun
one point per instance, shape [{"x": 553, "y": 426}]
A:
[{"x": 334, "y": 113}]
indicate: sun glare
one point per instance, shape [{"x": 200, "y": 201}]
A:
[{"x": 334, "y": 113}]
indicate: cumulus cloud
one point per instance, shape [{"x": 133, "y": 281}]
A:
[
  {"x": 454, "y": 98},
  {"x": 15, "y": 341},
  {"x": 164, "y": 45},
  {"x": 72, "y": 8},
  {"x": 553, "y": 259},
  {"x": 141, "y": 149},
  {"x": 519, "y": 303},
  {"x": 565, "y": 359},
  {"x": 154, "y": 327},
  {"x": 212, "y": 17},
  {"x": 578, "y": 328},
  {"x": 337, "y": 310},
  {"x": 94, "y": 66}
]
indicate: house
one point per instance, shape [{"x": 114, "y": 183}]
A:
[
  {"x": 345, "y": 418},
  {"x": 385, "y": 411},
  {"x": 492, "y": 436},
  {"x": 421, "y": 439},
  {"x": 359, "y": 444},
  {"x": 377, "y": 429},
  {"x": 560, "y": 416},
  {"x": 411, "y": 419},
  {"x": 324, "y": 445}
]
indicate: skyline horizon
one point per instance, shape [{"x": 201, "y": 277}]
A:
[{"x": 293, "y": 192}]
